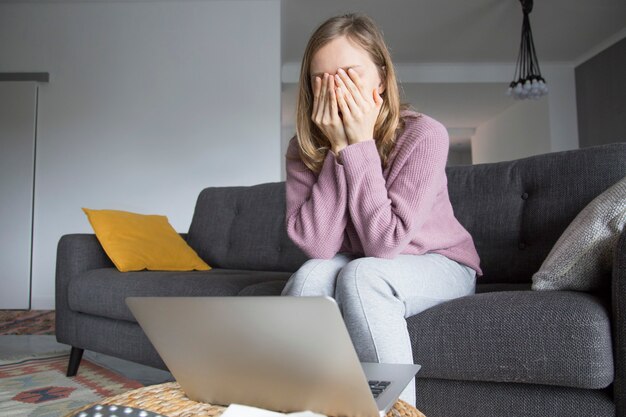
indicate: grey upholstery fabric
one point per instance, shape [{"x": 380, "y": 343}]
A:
[
  {"x": 119, "y": 338},
  {"x": 264, "y": 288},
  {"x": 516, "y": 210},
  {"x": 554, "y": 338},
  {"x": 482, "y": 288},
  {"x": 102, "y": 292},
  {"x": 445, "y": 398},
  {"x": 76, "y": 254},
  {"x": 244, "y": 228},
  {"x": 618, "y": 285}
]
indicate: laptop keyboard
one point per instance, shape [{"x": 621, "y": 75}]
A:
[{"x": 377, "y": 387}]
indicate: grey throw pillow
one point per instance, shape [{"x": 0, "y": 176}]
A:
[{"x": 583, "y": 255}]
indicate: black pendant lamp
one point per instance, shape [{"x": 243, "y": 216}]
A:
[{"x": 527, "y": 81}]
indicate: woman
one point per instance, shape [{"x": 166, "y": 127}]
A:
[{"x": 367, "y": 195}]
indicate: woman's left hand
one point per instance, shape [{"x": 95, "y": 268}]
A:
[{"x": 359, "y": 108}]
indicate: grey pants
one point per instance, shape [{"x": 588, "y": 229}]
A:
[{"x": 376, "y": 295}]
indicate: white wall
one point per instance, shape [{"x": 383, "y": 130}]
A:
[
  {"x": 562, "y": 107},
  {"x": 521, "y": 130},
  {"x": 148, "y": 103}
]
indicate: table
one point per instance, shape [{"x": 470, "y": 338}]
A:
[{"x": 168, "y": 399}]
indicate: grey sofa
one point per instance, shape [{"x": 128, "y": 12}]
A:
[{"x": 506, "y": 351}]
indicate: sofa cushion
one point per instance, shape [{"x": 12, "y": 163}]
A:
[
  {"x": 581, "y": 259},
  {"x": 244, "y": 228},
  {"x": 135, "y": 242},
  {"x": 102, "y": 292},
  {"x": 516, "y": 210},
  {"x": 273, "y": 288},
  {"x": 551, "y": 338}
]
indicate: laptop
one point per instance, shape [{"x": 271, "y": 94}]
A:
[{"x": 274, "y": 352}]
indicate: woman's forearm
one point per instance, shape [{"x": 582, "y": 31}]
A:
[
  {"x": 317, "y": 213},
  {"x": 386, "y": 219}
]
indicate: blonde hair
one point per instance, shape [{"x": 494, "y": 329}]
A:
[{"x": 361, "y": 30}]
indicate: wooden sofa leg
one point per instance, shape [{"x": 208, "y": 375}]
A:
[{"x": 75, "y": 356}]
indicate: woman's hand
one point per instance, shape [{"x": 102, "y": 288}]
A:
[
  {"x": 359, "y": 108},
  {"x": 325, "y": 113}
]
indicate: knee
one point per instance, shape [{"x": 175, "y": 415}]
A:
[
  {"x": 312, "y": 278},
  {"x": 307, "y": 268},
  {"x": 360, "y": 276}
]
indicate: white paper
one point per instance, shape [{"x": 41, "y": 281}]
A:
[{"x": 238, "y": 410}]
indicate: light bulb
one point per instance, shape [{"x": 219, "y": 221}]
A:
[{"x": 527, "y": 85}]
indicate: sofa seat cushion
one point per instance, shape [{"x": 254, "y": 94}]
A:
[
  {"x": 265, "y": 288},
  {"x": 553, "y": 338},
  {"x": 102, "y": 292}
]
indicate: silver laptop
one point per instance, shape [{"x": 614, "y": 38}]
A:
[{"x": 279, "y": 353}]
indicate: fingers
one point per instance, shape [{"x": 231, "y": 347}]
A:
[
  {"x": 317, "y": 86},
  {"x": 348, "y": 98},
  {"x": 331, "y": 114},
  {"x": 323, "y": 96},
  {"x": 318, "y": 109},
  {"x": 341, "y": 102},
  {"x": 352, "y": 83},
  {"x": 360, "y": 113},
  {"x": 336, "y": 125},
  {"x": 332, "y": 98},
  {"x": 325, "y": 113}
]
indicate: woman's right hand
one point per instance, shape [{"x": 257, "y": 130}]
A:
[{"x": 326, "y": 114}]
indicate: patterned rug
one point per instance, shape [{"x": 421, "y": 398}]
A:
[
  {"x": 17, "y": 322},
  {"x": 36, "y": 386}
]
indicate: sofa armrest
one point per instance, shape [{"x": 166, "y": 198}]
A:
[
  {"x": 76, "y": 253},
  {"x": 618, "y": 289}
]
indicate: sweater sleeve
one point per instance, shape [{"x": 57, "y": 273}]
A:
[
  {"x": 386, "y": 220},
  {"x": 316, "y": 213}
]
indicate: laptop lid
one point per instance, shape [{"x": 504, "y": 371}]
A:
[{"x": 279, "y": 353}]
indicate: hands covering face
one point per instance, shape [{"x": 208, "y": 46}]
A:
[{"x": 343, "y": 109}]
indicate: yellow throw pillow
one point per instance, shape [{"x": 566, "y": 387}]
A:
[{"x": 139, "y": 241}]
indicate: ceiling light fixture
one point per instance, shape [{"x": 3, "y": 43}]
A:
[{"x": 527, "y": 80}]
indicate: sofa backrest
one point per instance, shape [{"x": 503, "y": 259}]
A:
[
  {"x": 514, "y": 210},
  {"x": 244, "y": 228}
]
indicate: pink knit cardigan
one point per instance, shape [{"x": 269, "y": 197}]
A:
[{"x": 357, "y": 207}]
